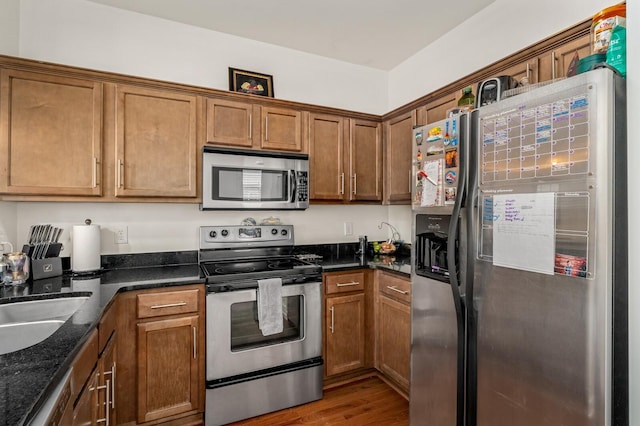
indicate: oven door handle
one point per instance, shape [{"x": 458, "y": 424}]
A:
[{"x": 292, "y": 186}]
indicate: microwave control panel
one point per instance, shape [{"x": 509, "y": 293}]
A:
[{"x": 302, "y": 182}]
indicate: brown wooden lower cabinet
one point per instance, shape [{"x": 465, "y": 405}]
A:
[
  {"x": 393, "y": 329},
  {"x": 85, "y": 412},
  {"x": 167, "y": 368},
  {"x": 395, "y": 340},
  {"x": 345, "y": 328},
  {"x": 161, "y": 365}
]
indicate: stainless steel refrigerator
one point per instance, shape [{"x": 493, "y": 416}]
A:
[{"x": 519, "y": 278}]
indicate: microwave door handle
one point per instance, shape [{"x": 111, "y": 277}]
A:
[{"x": 292, "y": 185}]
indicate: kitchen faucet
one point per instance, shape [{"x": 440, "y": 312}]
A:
[{"x": 395, "y": 235}]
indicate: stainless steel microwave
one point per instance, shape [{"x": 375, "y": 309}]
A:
[{"x": 240, "y": 179}]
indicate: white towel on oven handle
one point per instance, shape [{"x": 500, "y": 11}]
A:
[{"x": 269, "y": 299}]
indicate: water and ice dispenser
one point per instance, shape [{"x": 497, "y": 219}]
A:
[{"x": 431, "y": 245}]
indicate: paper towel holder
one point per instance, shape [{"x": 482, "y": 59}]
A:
[{"x": 88, "y": 261}]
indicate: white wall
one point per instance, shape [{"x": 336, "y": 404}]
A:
[
  {"x": 169, "y": 227},
  {"x": 86, "y": 34},
  {"x": 499, "y": 30},
  {"x": 9, "y": 27},
  {"x": 9, "y": 222}
]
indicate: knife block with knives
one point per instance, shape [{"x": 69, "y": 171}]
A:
[
  {"x": 44, "y": 250},
  {"x": 44, "y": 267}
]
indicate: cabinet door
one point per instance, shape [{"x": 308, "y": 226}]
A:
[
  {"x": 365, "y": 161},
  {"x": 437, "y": 109},
  {"x": 394, "y": 340},
  {"x": 107, "y": 397},
  {"x": 526, "y": 72},
  {"x": 281, "y": 129},
  {"x": 50, "y": 134},
  {"x": 398, "y": 145},
  {"x": 229, "y": 123},
  {"x": 326, "y": 157},
  {"x": 167, "y": 367},
  {"x": 345, "y": 331},
  {"x": 86, "y": 410},
  {"x": 155, "y": 143},
  {"x": 558, "y": 60}
]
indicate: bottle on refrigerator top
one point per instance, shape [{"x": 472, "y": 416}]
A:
[
  {"x": 467, "y": 98},
  {"x": 602, "y": 25},
  {"x": 617, "y": 51}
]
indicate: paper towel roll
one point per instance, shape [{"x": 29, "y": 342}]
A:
[{"x": 86, "y": 248}]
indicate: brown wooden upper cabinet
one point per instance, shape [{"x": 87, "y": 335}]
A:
[
  {"x": 230, "y": 123},
  {"x": 345, "y": 159},
  {"x": 398, "y": 137},
  {"x": 437, "y": 109},
  {"x": 326, "y": 157},
  {"x": 365, "y": 159},
  {"x": 281, "y": 129},
  {"x": 556, "y": 63},
  {"x": 251, "y": 126},
  {"x": 526, "y": 72},
  {"x": 156, "y": 142},
  {"x": 51, "y": 137}
]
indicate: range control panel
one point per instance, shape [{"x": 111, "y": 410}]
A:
[{"x": 213, "y": 237}]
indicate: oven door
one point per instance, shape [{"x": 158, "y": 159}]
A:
[{"x": 235, "y": 344}]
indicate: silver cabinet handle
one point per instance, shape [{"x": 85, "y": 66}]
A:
[
  {"x": 553, "y": 65},
  {"x": 529, "y": 73},
  {"x": 342, "y": 184},
  {"x": 250, "y": 126},
  {"x": 112, "y": 373},
  {"x": 332, "y": 319},
  {"x": 410, "y": 180},
  {"x": 266, "y": 128},
  {"x": 348, "y": 284},
  {"x": 355, "y": 183},
  {"x": 119, "y": 173},
  {"x": 397, "y": 289},
  {"x": 195, "y": 343},
  {"x": 94, "y": 177},
  {"x": 105, "y": 420},
  {"x": 168, "y": 305},
  {"x": 107, "y": 402}
]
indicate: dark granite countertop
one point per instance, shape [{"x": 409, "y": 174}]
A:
[
  {"x": 29, "y": 376},
  {"x": 345, "y": 256}
]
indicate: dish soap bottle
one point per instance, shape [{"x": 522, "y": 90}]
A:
[{"x": 467, "y": 99}]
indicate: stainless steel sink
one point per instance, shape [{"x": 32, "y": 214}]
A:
[
  {"x": 23, "y": 324},
  {"x": 37, "y": 310},
  {"x": 24, "y": 334}
]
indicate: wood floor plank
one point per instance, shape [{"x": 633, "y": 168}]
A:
[{"x": 366, "y": 402}]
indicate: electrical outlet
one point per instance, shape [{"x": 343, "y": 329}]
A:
[
  {"x": 122, "y": 235},
  {"x": 348, "y": 228}
]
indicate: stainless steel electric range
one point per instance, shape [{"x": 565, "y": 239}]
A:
[{"x": 249, "y": 373}]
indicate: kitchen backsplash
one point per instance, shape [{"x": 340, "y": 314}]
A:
[{"x": 174, "y": 227}]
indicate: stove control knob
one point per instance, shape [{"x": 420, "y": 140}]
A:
[
  {"x": 284, "y": 232},
  {"x": 274, "y": 231},
  {"x": 224, "y": 233},
  {"x": 213, "y": 234}
]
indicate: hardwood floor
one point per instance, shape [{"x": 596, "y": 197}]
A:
[{"x": 366, "y": 402}]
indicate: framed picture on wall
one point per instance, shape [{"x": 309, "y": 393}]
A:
[{"x": 250, "y": 82}]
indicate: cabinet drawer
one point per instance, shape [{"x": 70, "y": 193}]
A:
[
  {"x": 395, "y": 287},
  {"x": 345, "y": 282},
  {"x": 167, "y": 303}
]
